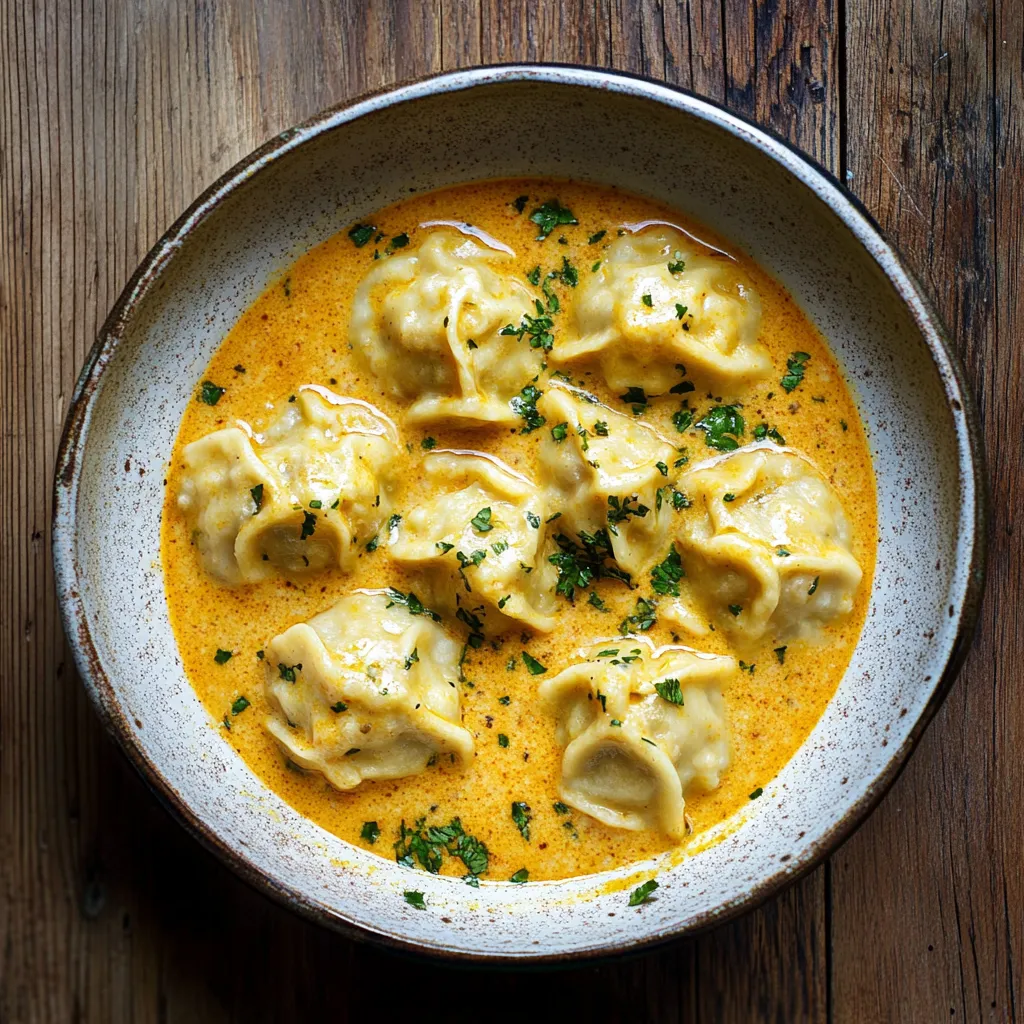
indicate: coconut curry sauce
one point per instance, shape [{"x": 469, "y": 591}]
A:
[{"x": 296, "y": 333}]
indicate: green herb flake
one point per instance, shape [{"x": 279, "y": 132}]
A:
[
  {"x": 560, "y": 432},
  {"x": 534, "y": 666},
  {"x": 680, "y": 501},
  {"x": 414, "y": 899},
  {"x": 525, "y": 405},
  {"x": 680, "y": 310},
  {"x": 843, "y": 424},
  {"x": 502, "y": 740},
  {"x": 521, "y": 818},
  {"x": 361, "y": 234},
  {"x": 257, "y": 497},
  {"x": 662, "y": 468},
  {"x": 339, "y": 706},
  {"x": 443, "y": 546},
  {"x": 398, "y": 242},
  {"x": 782, "y": 552},
  {"x": 428, "y": 443},
  {"x": 601, "y": 428},
  {"x": 678, "y": 264},
  {"x": 666, "y": 575},
  {"x": 729, "y": 497},
  {"x": 550, "y": 215},
  {"x": 780, "y": 653},
  {"x": 814, "y": 586},
  {"x": 411, "y": 602},
  {"x": 308, "y": 525},
  {"x": 210, "y": 393},
  {"x": 414, "y": 656},
  {"x": 670, "y": 690},
  {"x": 735, "y": 609},
  {"x": 370, "y": 832},
  {"x": 596, "y": 237},
  {"x": 560, "y": 808},
  {"x": 223, "y": 657},
  {"x": 723, "y": 426},
  {"x": 647, "y": 300},
  {"x": 316, "y": 503},
  {"x": 506, "y": 700},
  {"x": 287, "y": 672},
  {"x": 795, "y": 365},
  {"x": 481, "y": 522},
  {"x": 642, "y": 619},
  {"x": 239, "y": 704},
  {"x": 763, "y": 430},
  {"x": 372, "y": 544},
  {"x": 757, "y": 792},
  {"x": 520, "y": 203},
  {"x": 596, "y": 602},
  {"x": 642, "y": 893},
  {"x": 533, "y": 519},
  {"x": 521, "y": 876}
]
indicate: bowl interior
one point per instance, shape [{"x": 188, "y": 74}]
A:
[{"x": 319, "y": 179}]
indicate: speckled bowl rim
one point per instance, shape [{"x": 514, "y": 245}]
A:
[{"x": 854, "y": 216}]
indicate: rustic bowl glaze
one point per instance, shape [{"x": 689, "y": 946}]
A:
[{"x": 316, "y": 179}]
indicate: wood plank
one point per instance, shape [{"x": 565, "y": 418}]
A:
[{"x": 939, "y": 163}]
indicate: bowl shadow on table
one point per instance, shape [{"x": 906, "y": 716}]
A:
[{"x": 209, "y": 947}]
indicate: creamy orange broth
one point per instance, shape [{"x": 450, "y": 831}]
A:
[{"x": 296, "y": 333}]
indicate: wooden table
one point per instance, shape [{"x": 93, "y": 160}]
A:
[{"x": 113, "y": 116}]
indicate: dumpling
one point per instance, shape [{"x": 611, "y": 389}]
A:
[
  {"x": 300, "y": 499},
  {"x": 478, "y": 542},
  {"x": 659, "y": 300},
  {"x": 429, "y": 322},
  {"x": 366, "y": 690},
  {"x": 766, "y": 545},
  {"x": 641, "y": 726},
  {"x": 603, "y": 471}
]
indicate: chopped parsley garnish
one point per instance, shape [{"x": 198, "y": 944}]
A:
[
  {"x": 678, "y": 265},
  {"x": 370, "y": 832},
  {"x": 722, "y": 426},
  {"x": 520, "y": 203},
  {"x": 210, "y": 393},
  {"x": 619, "y": 510},
  {"x": 287, "y": 672},
  {"x": 361, "y": 234},
  {"x": 393, "y": 520},
  {"x": 682, "y": 420},
  {"x": 843, "y": 424},
  {"x": 521, "y": 818},
  {"x": 680, "y": 310},
  {"x": 522, "y": 875},
  {"x": 550, "y": 215},
  {"x": 535, "y": 667},
  {"x": 414, "y": 899},
  {"x": 642, "y": 893},
  {"x": 782, "y": 552},
  {"x": 533, "y": 519},
  {"x": 560, "y": 808},
  {"x": 662, "y": 468},
  {"x": 553, "y": 517},
  {"x": 502, "y": 740},
  {"x": 569, "y": 274},
  {"x": 780, "y": 653},
  {"x": 428, "y": 443},
  {"x": 536, "y": 330},
  {"x": 814, "y": 586},
  {"x": 414, "y": 656},
  {"x": 757, "y": 792},
  {"x": 670, "y": 690},
  {"x": 560, "y": 432},
  {"x": 636, "y": 397},
  {"x": 239, "y": 704},
  {"x": 729, "y": 497},
  {"x": 596, "y": 267},
  {"x": 257, "y": 497},
  {"x": 534, "y": 276},
  {"x": 474, "y": 559},
  {"x": 646, "y": 299},
  {"x": 666, "y": 575},
  {"x": 616, "y": 723},
  {"x": 308, "y": 525},
  {"x": 260, "y": 655},
  {"x": 578, "y": 566},
  {"x": 596, "y": 237},
  {"x": 443, "y": 546},
  {"x": 643, "y": 618},
  {"x": 410, "y": 601},
  {"x": 601, "y": 428},
  {"x": 316, "y": 503},
  {"x": 222, "y": 657},
  {"x": 596, "y": 601},
  {"x": 372, "y": 544},
  {"x": 506, "y": 700},
  {"x": 481, "y": 522},
  {"x": 525, "y": 405},
  {"x": 398, "y": 242},
  {"x": 795, "y": 365},
  {"x": 680, "y": 501},
  {"x": 339, "y": 706},
  {"x": 428, "y": 846},
  {"x": 763, "y": 430},
  {"x": 735, "y": 609}
]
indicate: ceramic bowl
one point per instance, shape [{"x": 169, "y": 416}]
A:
[{"x": 312, "y": 181}]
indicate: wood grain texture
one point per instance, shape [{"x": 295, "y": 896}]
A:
[{"x": 113, "y": 115}]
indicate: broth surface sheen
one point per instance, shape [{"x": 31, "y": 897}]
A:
[{"x": 297, "y": 333}]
